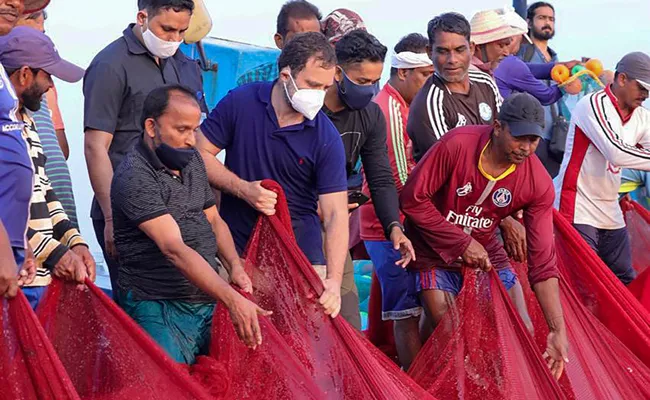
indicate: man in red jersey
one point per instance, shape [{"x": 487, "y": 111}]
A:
[{"x": 474, "y": 177}]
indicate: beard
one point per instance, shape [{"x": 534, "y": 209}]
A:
[
  {"x": 541, "y": 34},
  {"x": 31, "y": 98}
]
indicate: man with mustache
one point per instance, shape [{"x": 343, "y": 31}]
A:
[
  {"x": 30, "y": 60},
  {"x": 455, "y": 96},
  {"x": 491, "y": 39},
  {"x": 470, "y": 180},
  {"x": 15, "y": 164},
  {"x": 609, "y": 131}
]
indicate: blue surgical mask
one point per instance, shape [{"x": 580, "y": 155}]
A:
[{"x": 355, "y": 96}]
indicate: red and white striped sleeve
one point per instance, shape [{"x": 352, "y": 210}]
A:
[{"x": 600, "y": 122}]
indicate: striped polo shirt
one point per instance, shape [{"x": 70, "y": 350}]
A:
[
  {"x": 56, "y": 166},
  {"x": 50, "y": 232}
]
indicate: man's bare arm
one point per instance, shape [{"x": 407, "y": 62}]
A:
[
  {"x": 8, "y": 267},
  {"x": 63, "y": 142},
  {"x": 222, "y": 179},
  {"x": 334, "y": 210},
  {"x": 100, "y": 169},
  {"x": 225, "y": 243},
  {"x": 557, "y": 345},
  {"x": 166, "y": 234}
]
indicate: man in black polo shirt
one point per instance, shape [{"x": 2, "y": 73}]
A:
[
  {"x": 166, "y": 224},
  {"x": 362, "y": 126},
  {"x": 115, "y": 86}
]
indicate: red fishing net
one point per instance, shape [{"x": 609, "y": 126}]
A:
[
  {"x": 600, "y": 366},
  {"x": 637, "y": 220},
  {"x": 598, "y": 289},
  {"x": 324, "y": 357},
  {"x": 29, "y": 366},
  {"x": 482, "y": 350},
  {"x": 106, "y": 354}
]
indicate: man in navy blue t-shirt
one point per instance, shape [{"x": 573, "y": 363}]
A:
[{"x": 275, "y": 130}]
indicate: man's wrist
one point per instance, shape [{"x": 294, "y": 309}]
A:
[
  {"x": 240, "y": 189},
  {"x": 393, "y": 225},
  {"x": 230, "y": 298},
  {"x": 336, "y": 277},
  {"x": 556, "y": 324}
]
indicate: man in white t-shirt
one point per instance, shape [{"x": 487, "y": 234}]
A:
[{"x": 609, "y": 131}]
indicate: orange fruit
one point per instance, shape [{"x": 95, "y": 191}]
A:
[
  {"x": 560, "y": 73},
  {"x": 573, "y": 87},
  {"x": 594, "y": 65}
]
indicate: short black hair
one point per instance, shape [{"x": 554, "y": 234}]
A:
[
  {"x": 413, "y": 42},
  {"x": 304, "y": 46},
  {"x": 296, "y": 9},
  {"x": 153, "y": 7},
  {"x": 359, "y": 46},
  {"x": 157, "y": 101},
  {"x": 532, "y": 9},
  {"x": 450, "y": 22}
]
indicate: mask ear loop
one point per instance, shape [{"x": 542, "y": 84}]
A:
[{"x": 345, "y": 76}]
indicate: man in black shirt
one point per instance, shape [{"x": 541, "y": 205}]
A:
[
  {"x": 117, "y": 81},
  {"x": 166, "y": 225},
  {"x": 454, "y": 95},
  {"x": 362, "y": 126}
]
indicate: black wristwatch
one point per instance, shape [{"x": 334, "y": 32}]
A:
[{"x": 394, "y": 224}]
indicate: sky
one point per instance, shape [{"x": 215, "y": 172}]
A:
[{"x": 604, "y": 29}]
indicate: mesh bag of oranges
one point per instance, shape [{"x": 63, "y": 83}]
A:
[{"x": 578, "y": 82}]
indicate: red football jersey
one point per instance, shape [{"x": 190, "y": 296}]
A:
[{"x": 449, "y": 198}]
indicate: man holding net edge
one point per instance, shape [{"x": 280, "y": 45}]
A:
[{"x": 469, "y": 202}]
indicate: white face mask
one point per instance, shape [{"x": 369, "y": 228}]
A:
[
  {"x": 158, "y": 47},
  {"x": 308, "y": 102}
]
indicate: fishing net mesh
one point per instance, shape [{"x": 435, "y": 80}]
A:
[
  {"x": 482, "y": 350},
  {"x": 106, "y": 354},
  {"x": 326, "y": 358},
  {"x": 29, "y": 366},
  {"x": 637, "y": 219}
]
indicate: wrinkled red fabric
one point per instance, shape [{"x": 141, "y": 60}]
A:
[
  {"x": 29, "y": 366},
  {"x": 637, "y": 219},
  {"x": 271, "y": 371},
  {"x": 598, "y": 289},
  {"x": 600, "y": 365},
  {"x": 379, "y": 332},
  {"x": 106, "y": 354},
  {"x": 318, "y": 351},
  {"x": 482, "y": 350}
]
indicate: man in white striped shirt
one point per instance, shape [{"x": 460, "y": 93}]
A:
[
  {"x": 455, "y": 95},
  {"x": 609, "y": 131}
]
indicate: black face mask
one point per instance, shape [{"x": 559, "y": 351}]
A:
[{"x": 174, "y": 159}]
